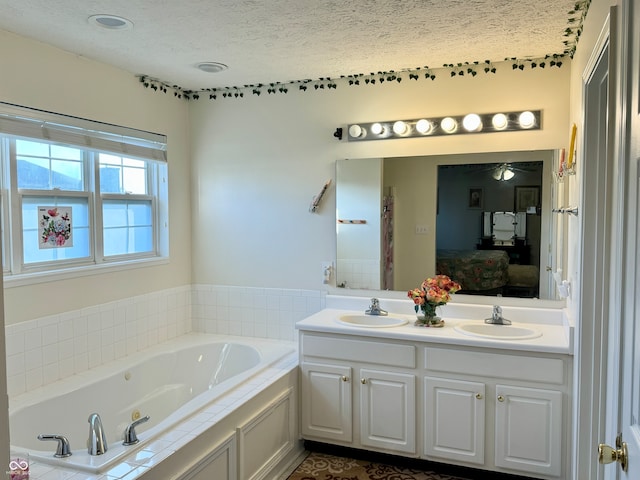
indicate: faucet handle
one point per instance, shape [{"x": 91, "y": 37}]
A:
[
  {"x": 375, "y": 303},
  {"x": 63, "y": 449},
  {"x": 130, "y": 437}
]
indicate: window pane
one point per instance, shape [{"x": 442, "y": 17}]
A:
[
  {"x": 122, "y": 175},
  {"x": 127, "y": 226},
  {"x": 44, "y": 166},
  {"x": 38, "y": 249}
]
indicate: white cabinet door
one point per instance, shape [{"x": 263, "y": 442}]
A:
[
  {"x": 326, "y": 401},
  {"x": 454, "y": 419},
  {"x": 388, "y": 410},
  {"x": 529, "y": 429}
]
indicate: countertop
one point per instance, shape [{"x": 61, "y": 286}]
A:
[{"x": 557, "y": 334}]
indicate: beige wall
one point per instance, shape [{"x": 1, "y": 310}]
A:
[
  {"x": 38, "y": 76},
  {"x": 258, "y": 162}
]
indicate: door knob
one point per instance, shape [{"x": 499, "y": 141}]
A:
[{"x": 607, "y": 454}]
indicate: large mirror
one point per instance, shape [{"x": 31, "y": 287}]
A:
[{"x": 485, "y": 219}]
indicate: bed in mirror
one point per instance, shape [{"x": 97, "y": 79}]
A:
[{"x": 484, "y": 219}]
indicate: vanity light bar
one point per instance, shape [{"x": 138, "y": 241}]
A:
[{"x": 450, "y": 125}]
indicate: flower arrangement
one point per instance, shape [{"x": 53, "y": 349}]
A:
[{"x": 432, "y": 293}]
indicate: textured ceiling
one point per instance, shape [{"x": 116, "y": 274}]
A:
[{"x": 288, "y": 40}]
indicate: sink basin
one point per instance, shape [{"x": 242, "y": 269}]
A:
[
  {"x": 498, "y": 332},
  {"x": 371, "y": 321}
]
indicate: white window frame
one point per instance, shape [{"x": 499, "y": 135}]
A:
[{"x": 15, "y": 272}]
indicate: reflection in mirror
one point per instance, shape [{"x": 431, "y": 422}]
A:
[{"x": 402, "y": 219}]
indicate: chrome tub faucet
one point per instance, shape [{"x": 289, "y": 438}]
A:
[
  {"x": 374, "y": 308},
  {"x": 97, "y": 442},
  {"x": 496, "y": 317},
  {"x": 130, "y": 437},
  {"x": 63, "y": 449}
]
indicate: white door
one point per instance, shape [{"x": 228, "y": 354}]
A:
[
  {"x": 621, "y": 455},
  {"x": 628, "y": 355}
]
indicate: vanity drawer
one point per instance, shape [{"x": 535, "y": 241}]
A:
[
  {"x": 382, "y": 353},
  {"x": 495, "y": 365}
]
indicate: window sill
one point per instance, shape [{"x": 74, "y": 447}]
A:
[{"x": 23, "y": 279}]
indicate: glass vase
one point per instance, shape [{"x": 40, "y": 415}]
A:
[{"x": 426, "y": 316}]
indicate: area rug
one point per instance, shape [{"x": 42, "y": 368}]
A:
[{"x": 320, "y": 466}]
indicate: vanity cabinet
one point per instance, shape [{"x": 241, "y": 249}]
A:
[
  {"x": 492, "y": 409},
  {"x": 348, "y": 398},
  {"x": 509, "y": 416}
]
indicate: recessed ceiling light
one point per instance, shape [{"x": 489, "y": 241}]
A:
[
  {"x": 212, "y": 67},
  {"x": 111, "y": 22}
]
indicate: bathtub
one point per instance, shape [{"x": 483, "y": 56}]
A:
[{"x": 168, "y": 382}]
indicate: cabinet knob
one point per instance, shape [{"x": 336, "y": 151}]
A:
[
  {"x": 500, "y": 398},
  {"x": 479, "y": 396},
  {"x": 345, "y": 378},
  {"x": 363, "y": 381}
]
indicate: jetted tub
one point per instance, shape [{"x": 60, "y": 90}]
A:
[{"x": 168, "y": 382}]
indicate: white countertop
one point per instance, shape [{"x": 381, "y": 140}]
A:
[{"x": 557, "y": 334}]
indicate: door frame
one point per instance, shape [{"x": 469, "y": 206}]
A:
[{"x": 600, "y": 265}]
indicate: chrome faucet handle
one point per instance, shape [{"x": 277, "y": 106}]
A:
[
  {"x": 375, "y": 303},
  {"x": 130, "y": 437},
  {"x": 63, "y": 449}
]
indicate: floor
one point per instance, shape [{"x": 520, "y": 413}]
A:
[{"x": 327, "y": 462}]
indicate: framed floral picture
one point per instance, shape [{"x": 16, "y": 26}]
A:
[
  {"x": 476, "y": 197},
  {"x": 54, "y": 227},
  {"x": 526, "y": 197}
]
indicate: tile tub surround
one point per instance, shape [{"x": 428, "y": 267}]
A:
[
  {"x": 251, "y": 311},
  {"x": 51, "y": 348},
  {"x": 47, "y": 349}
]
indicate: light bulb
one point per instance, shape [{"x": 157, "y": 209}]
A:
[
  {"x": 449, "y": 125},
  {"x": 423, "y": 126},
  {"x": 377, "y": 129},
  {"x": 355, "y": 131},
  {"x": 500, "y": 121},
  {"x": 472, "y": 122},
  {"x": 400, "y": 127},
  {"x": 527, "y": 119}
]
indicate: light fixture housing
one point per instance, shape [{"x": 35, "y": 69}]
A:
[
  {"x": 110, "y": 22},
  {"x": 447, "y": 125},
  {"x": 211, "y": 67}
]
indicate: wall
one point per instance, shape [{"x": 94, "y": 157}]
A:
[
  {"x": 36, "y": 75},
  {"x": 258, "y": 161}
]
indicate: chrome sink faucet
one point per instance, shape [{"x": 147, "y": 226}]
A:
[
  {"x": 496, "y": 317},
  {"x": 97, "y": 442},
  {"x": 374, "y": 308}
]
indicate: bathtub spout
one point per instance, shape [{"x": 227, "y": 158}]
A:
[
  {"x": 130, "y": 437},
  {"x": 97, "y": 442}
]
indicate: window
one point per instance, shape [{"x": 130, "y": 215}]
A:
[{"x": 77, "y": 196}]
